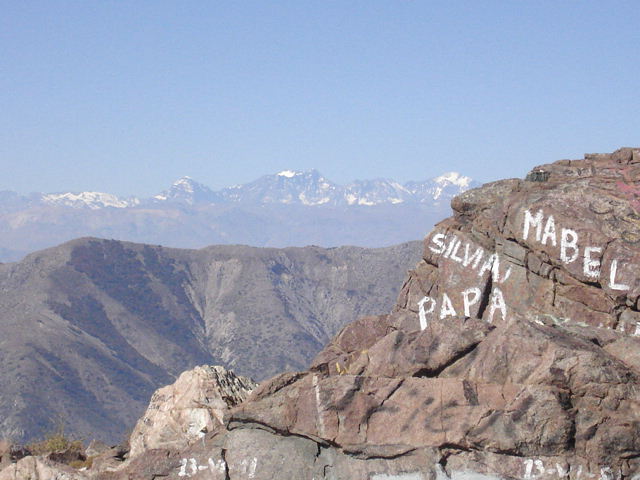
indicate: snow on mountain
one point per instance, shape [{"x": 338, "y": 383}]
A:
[
  {"x": 286, "y": 187},
  {"x": 375, "y": 192},
  {"x": 312, "y": 189},
  {"x": 190, "y": 214},
  {"x": 453, "y": 178},
  {"x": 92, "y": 200},
  {"x": 441, "y": 188},
  {"x": 450, "y": 182},
  {"x": 288, "y": 173},
  {"x": 186, "y": 190}
]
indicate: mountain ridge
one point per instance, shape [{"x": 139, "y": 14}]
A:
[
  {"x": 89, "y": 329},
  {"x": 310, "y": 187},
  {"x": 288, "y": 208}
]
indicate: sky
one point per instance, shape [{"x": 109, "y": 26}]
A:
[{"x": 127, "y": 96}]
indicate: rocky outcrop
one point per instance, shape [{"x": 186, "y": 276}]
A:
[
  {"x": 512, "y": 353},
  {"x": 182, "y": 413}
]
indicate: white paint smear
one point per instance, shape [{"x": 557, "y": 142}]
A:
[{"x": 316, "y": 388}]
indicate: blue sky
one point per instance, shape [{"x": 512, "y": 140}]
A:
[{"x": 126, "y": 96}]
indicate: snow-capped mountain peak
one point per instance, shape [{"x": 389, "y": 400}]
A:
[
  {"x": 288, "y": 173},
  {"x": 186, "y": 184},
  {"x": 444, "y": 186},
  {"x": 187, "y": 190},
  {"x": 289, "y": 187},
  {"x": 311, "y": 188},
  {"x": 453, "y": 178},
  {"x": 92, "y": 200},
  {"x": 285, "y": 187},
  {"x": 375, "y": 192}
]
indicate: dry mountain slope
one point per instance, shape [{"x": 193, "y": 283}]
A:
[{"x": 91, "y": 328}]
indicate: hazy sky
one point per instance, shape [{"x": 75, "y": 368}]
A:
[{"x": 126, "y": 96}]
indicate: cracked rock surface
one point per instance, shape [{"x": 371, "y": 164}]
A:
[{"x": 513, "y": 353}]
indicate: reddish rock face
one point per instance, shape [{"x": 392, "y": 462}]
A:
[{"x": 513, "y": 352}]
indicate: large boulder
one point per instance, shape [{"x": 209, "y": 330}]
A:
[
  {"x": 513, "y": 353},
  {"x": 183, "y": 412}
]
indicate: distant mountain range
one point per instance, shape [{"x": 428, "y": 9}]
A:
[
  {"x": 289, "y": 208},
  {"x": 288, "y": 187}
]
